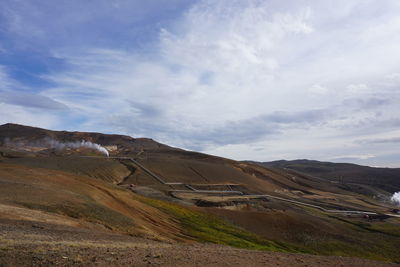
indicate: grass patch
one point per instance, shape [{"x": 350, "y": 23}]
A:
[
  {"x": 383, "y": 228},
  {"x": 371, "y": 240},
  {"x": 388, "y": 228},
  {"x": 365, "y": 240},
  {"x": 373, "y": 248},
  {"x": 375, "y": 242},
  {"x": 208, "y": 228}
]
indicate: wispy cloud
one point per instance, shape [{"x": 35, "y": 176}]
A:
[
  {"x": 30, "y": 100},
  {"x": 381, "y": 140},
  {"x": 22, "y": 107},
  {"x": 313, "y": 77},
  {"x": 350, "y": 157}
]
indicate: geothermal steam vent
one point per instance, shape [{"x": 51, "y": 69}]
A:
[{"x": 75, "y": 145}]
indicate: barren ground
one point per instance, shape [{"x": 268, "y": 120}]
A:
[{"x": 27, "y": 243}]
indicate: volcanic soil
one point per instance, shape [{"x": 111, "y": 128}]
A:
[{"x": 28, "y": 243}]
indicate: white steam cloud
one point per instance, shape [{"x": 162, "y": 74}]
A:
[
  {"x": 48, "y": 142},
  {"x": 396, "y": 198},
  {"x": 77, "y": 144}
]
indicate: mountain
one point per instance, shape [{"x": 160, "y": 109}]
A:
[
  {"x": 387, "y": 179},
  {"x": 82, "y": 196},
  {"x": 25, "y": 136}
]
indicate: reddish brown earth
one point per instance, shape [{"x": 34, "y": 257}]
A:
[{"x": 27, "y": 243}]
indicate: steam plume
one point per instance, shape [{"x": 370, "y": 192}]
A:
[
  {"x": 87, "y": 144},
  {"x": 396, "y": 198}
]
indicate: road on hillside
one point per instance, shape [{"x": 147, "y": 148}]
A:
[{"x": 193, "y": 190}]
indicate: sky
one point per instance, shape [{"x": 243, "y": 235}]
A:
[{"x": 244, "y": 79}]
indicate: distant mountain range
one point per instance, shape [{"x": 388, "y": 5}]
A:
[{"x": 387, "y": 179}]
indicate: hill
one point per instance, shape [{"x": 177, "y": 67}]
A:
[
  {"x": 147, "y": 192},
  {"x": 387, "y": 179}
]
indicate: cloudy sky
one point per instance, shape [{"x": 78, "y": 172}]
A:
[{"x": 243, "y": 79}]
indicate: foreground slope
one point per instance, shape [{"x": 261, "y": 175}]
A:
[{"x": 43, "y": 244}]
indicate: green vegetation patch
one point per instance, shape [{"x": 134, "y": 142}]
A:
[
  {"x": 376, "y": 241},
  {"x": 382, "y": 228},
  {"x": 208, "y": 228},
  {"x": 387, "y": 228}
]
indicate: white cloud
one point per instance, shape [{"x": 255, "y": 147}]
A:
[
  {"x": 198, "y": 67},
  {"x": 25, "y": 108},
  {"x": 391, "y": 80},
  {"x": 20, "y": 115},
  {"x": 5, "y": 81},
  {"x": 318, "y": 89},
  {"x": 357, "y": 89},
  {"x": 349, "y": 157},
  {"x": 299, "y": 78}
]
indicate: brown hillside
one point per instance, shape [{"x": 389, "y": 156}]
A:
[{"x": 147, "y": 189}]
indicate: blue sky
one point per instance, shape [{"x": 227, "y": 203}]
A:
[{"x": 252, "y": 79}]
